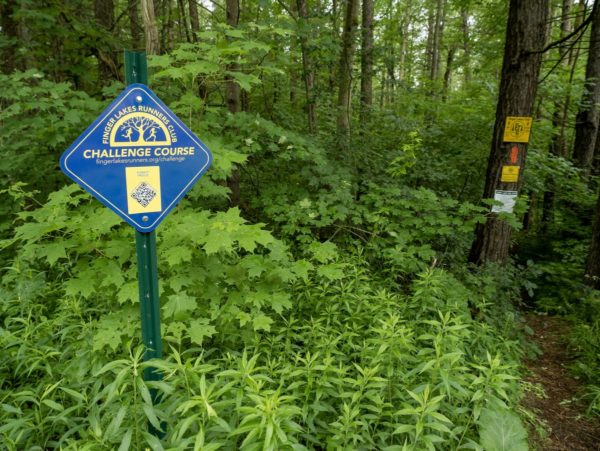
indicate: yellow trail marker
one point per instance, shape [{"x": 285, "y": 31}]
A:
[
  {"x": 510, "y": 174},
  {"x": 517, "y": 129}
]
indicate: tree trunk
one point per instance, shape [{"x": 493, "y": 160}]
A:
[
  {"x": 134, "y": 23},
  {"x": 366, "y": 61},
  {"x": 448, "y": 72},
  {"x": 10, "y": 28},
  {"x": 586, "y": 123},
  {"x": 307, "y": 66},
  {"x": 183, "y": 25},
  {"x": 194, "y": 19},
  {"x": 104, "y": 13},
  {"x": 345, "y": 69},
  {"x": 464, "y": 13},
  {"x": 233, "y": 99},
  {"x": 592, "y": 267},
  {"x": 557, "y": 144},
  {"x": 525, "y": 32},
  {"x": 166, "y": 31},
  {"x": 150, "y": 29},
  {"x": 440, "y": 13}
]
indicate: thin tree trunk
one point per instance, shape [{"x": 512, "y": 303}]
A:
[
  {"x": 440, "y": 13},
  {"x": 448, "y": 71},
  {"x": 183, "y": 21},
  {"x": 430, "y": 39},
  {"x": 403, "y": 49},
  {"x": 592, "y": 267},
  {"x": 104, "y": 13},
  {"x": 586, "y": 126},
  {"x": 464, "y": 13},
  {"x": 336, "y": 34},
  {"x": 307, "y": 65},
  {"x": 10, "y": 28},
  {"x": 345, "y": 69},
  {"x": 557, "y": 144},
  {"x": 194, "y": 19},
  {"x": 134, "y": 23},
  {"x": 166, "y": 33},
  {"x": 233, "y": 96},
  {"x": 525, "y": 33},
  {"x": 366, "y": 62},
  {"x": 150, "y": 29},
  {"x": 573, "y": 58}
]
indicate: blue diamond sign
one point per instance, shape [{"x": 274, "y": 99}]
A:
[{"x": 137, "y": 158}]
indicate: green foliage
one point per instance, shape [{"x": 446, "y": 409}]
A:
[
  {"x": 338, "y": 357},
  {"x": 332, "y": 307},
  {"x": 502, "y": 430},
  {"x": 39, "y": 118}
]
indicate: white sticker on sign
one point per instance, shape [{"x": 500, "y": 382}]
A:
[{"x": 507, "y": 200}]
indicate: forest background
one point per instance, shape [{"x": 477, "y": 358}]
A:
[{"x": 315, "y": 285}]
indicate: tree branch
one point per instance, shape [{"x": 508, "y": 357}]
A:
[{"x": 581, "y": 28}]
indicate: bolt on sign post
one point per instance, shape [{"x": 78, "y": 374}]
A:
[{"x": 139, "y": 160}]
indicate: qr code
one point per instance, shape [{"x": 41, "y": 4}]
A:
[{"x": 144, "y": 194}]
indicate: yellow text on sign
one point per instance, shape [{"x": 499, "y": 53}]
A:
[
  {"x": 510, "y": 174},
  {"x": 143, "y": 189},
  {"x": 517, "y": 129}
]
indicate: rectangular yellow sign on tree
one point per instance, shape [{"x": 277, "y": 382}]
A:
[
  {"x": 510, "y": 174},
  {"x": 517, "y": 129}
]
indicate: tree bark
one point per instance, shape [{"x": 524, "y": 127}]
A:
[
  {"x": 464, "y": 13},
  {"x": 183, "y": 25},
  {"x": 592, "y": 267},
  {"x": 307, "y": 65},
  {"x": 10, "y": 28},
  {"x": 366, "y": 61},
  {"x": 134, "y": 23},
  {"x": 104, "y": 13},
  {"x": 559, "y": 118},
  {"x": 150, "y": 29},
  {"x": 430, "y": 39},
  {"x": 345, "y": 69},
  {"x": 525, "y": 33},
  {"x": 233, "y": 95},
  {"x": 194, "y": 19},
  {"x": 438, "y": 31},
  {"x": 586, "y": 123},
  {"x": 448, "y": 71}
]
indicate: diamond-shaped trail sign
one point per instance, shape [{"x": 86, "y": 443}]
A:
[{"x": 137, "y": 158}]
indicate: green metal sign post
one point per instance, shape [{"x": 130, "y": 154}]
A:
[
  {"x": 136, "y": 71},
  {"x": 139, "y": 159}
]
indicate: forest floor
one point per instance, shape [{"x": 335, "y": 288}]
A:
[{"x": 561, "y": 421}]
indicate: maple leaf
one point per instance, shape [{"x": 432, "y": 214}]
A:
[
  {"x": 262, "y": 322},
  {"x": 179, "y": 304},
  {"x": 199, "y": 329}
]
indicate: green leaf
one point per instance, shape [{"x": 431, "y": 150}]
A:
[
  {"x": 128, "y": 292},
  {"x": 280, "y": 302},
  {"x": 83, "y": 285},
  {"x": 124, "y": 446},
  {"x": 178, "y": 305},
  {"x": 323, "y": 252},
  {"x": 53, "y": 405},
  {"x": 332, "y": 271},
  {"x": 502, "y": 430},
  {"x": 53, "y": 251},
  {"x": 262, "y": 322},
  {"x": 301, "y": 268},
  {"x": 200, "y": 328},
  {"x": 110, "y": 273},
  {"x": 177, "y": 254}
]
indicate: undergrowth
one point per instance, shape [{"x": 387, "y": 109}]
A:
[{"x": 265, "y": 348}]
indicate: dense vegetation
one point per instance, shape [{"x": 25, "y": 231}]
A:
[{"x": 314, "y": 284}]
